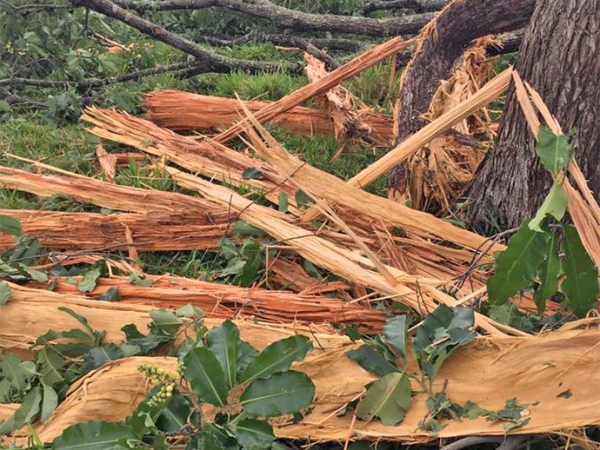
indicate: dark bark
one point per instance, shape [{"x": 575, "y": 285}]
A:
[
  {"x": 456, "y": 27},
  {"x": 303, "y": 44},
  {"x": 560, "y": 58},
  {"x": 286, "y": 40},
  {"x": 418, "y": 6},
  {"x": 286, "y": 18},
  {"x": 211, "y": 61}
]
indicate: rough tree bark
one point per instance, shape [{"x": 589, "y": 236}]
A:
[
  {"x": 295, "y": 20},
  {"x": 560, "y": 58},
  {"x": 456, "y": 27}
]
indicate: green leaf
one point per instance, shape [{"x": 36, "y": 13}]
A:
[
  {"x": 51, "y": 365},
  {"x": 515, "y": 267},
  {"x": 111, "y": 295},
  {"x": 82, "y": 320},
  {"x": 277, "y": 357},
  {"x": 35, "y": 275},
  {"x": 4, "y": 106},
  {"x": 205, "y": 440},
  {"x": 253, "y": 433},
  {"x": 282, "y": 393},
  {"x": 49, "y": 403},
  {"x": 135, "y": 279},
  {"x": 548, "y": 273},
  {"x": 283, "y": 202},
  {"x": 302, "y": 199},
  {"x": 440, "y": 334},
  {"x": 89, "y": 281},
  {"x": 11, "y": 370},
  {"x": 203, "y": 371},
  {"x": 581, "y": 283},
  {"x": 387, "y": 398},
  {"x": 555, "y": 205},
  {"x": 224, "y": 342},
  {"x": 372, "y": 361},
  {"x": 94, "y": 436},
  {"x": 190, "y": 311},
  {"x": 174, "y": 415},
  {"x": 10, "y": 225},
  {"x": 395, "y": 331},
  {"x": 251, "y": 250},
  {"x": 509, "y": 314},
  {"x": 553, "y": 150},
  {"x": 4, "y": 293},
  {"x": 251, "y": 173},
  {"x": 99, "y": 356},
  {"x": 29, "y": 408},
  {"x": 165, "y": 321}
]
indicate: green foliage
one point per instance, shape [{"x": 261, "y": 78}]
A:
[
  {"x": 213, "y": 367},
  {"x": 581, "y": 275},
  {"x": 532, "y": 259},
  {"x": 387, "y": 398}
]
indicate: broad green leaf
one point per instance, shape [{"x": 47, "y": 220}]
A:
[
  {"x": 203, "y": 371},
  {"x": 553, "y": 150},
  {"x": 581, "y": 283},
  {"x": 93, "y": 436},
  {"x": 387, "y": 398},
  {"x": 509, "y": 314},
  {"x": 25, "y": 251},
  {"x": 49, "y": 402},
  {"x": 35, "y": 275},
  {"x": 174, "y": 415},
  {"x": 25, "y": 414},
  {"x": 283, "y": 202},
  {"x": 205, "y": 440},
  {"x": 515, "y": 267},
  {"x": 11, "y": 370},
  {"x": 51, "y": 364},
  {"x": 253, "y": 433},
  {"x": 227, "y": 249},
  {"x": 165, "y": 321},
  {"x": 99, "y": 356},
  {"x": 4, "y": 293},
  {"x": 372, "y": 361},
  {"x": 224, "y": 341},
  {"x": 135, "y": 279},
  {"x": 277, "y": 357},
  {"x": 89, "y": 281},
  {"x": 190, "y": 311},
  {"x": 303, "y": 199},
  {"x": 395, "y": 331},
  {"x": 251, "y": 250},
  {"x": 555, "y": 205},
  {"x": 282, "y": 393},
  {"x": 10, "y": 225},
  {"x": 110, "y": 295},
  {"x": 440, "y": 334},
  {"x": 548, "y": 273}
]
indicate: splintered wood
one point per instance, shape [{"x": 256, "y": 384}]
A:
[
  {"x": 534, "y": 370},
  {"x": 179, "y": 110},
  {"x": 379, "y": 249}
]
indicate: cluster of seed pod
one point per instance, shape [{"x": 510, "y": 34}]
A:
[{"x": 166, "y": 380}]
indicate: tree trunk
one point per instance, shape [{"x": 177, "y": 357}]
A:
[
  {"x": 560, "y": 58},
  {"x": 443, "y": 43}
]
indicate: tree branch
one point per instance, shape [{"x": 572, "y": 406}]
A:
[
  {"x": 211, "y": 61},
  {"x": 303, "y": 44},
  {"x": 295, "y": 20},
  {"x": 419, "y": 6},
  {"x": 179, "y": 70}
]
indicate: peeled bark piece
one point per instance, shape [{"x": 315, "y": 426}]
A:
[
  {"x": 560, "y": 59},
  {"x": 488, "y": 371}
]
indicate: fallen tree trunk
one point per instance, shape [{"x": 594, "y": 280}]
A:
[{"x": 179, "y": 110}]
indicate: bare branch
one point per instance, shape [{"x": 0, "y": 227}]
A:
[
  {"x": 212, "y": 62},
  {"x": 419, "y": 6},
  {"x": 296, "y": 20},
  {"x": 316, "y": 52}
]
